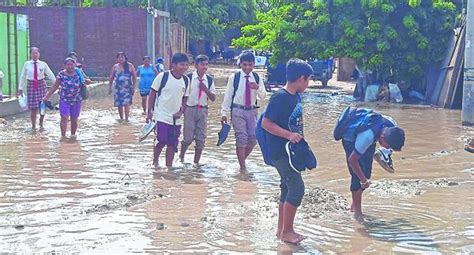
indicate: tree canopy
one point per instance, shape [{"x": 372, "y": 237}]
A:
[
  {"x": 399, "y": 36},
  {"x": 208, "y": 19}
]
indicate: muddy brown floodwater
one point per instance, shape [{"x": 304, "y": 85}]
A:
[{"x": 100, "y": 194}]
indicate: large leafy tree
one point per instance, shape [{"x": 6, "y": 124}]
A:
[
  {"x": 208, "y": 19},
  {"x": 391, "y": 36}
]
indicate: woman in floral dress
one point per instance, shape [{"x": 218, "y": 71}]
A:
[{"x": 124, "y": 78}]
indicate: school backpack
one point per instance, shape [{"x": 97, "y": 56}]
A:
[
  {"x": 353, "y": 121},
  {"x": 236, "y": 85},
  {"x": 261, "y": 135},
  {"x": 164, "y": 80},
  {"x": 210, "y": 80}
]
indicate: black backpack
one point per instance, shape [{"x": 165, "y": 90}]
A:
[{"x": 164, "y": 80}]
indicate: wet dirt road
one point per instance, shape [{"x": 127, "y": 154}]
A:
[{"x": 77, "y": 197}]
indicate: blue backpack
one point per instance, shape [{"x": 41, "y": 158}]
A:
[
  {"x": 261, "y": 135},
  {"x": 353, "y": 121}
]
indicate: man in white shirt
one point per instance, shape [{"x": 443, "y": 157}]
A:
[
  {"x": 201, "y": 88},
  {"x": 240, "y": 102},
  {"x": 166, "y": 102},
  {"x": 32, "y": 78}
]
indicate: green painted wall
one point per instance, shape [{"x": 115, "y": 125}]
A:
[
  {"x": 17, "y": 49},
  {"x": 3, "y": 50}
]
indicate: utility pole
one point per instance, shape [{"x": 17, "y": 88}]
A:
[
  {"x": 468, "y": 87},
  {"x": 151, "y": 15}
]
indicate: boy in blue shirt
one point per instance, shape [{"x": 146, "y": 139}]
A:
[
  {"x": 360, "y": 130},
  {"x": 283, "y": 120}
]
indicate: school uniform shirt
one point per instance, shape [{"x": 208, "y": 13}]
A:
[
  {"x": 28, "y": 72},
  {"x": 285, "y": 110},
  {"x": 193, "y": 99},
  {"x": 364, "y": 140},
  {"x": 160, "y": 67},
  {"x": 239, "y": 99},
  {"x": 170, "y": 100}
]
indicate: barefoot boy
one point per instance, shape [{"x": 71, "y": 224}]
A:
[
  {"x": 283, "y": 120},
  {"x": 360, "y": 129},
  {"x": 201, "y": 88},
  {"x": 166, "y": 101}
]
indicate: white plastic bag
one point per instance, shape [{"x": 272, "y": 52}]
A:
[
  {"x": 395, "y": 93},
  {"x": 23, "y": 102}
]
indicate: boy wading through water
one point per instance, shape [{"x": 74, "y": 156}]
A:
[
  {"x": 201, "y": 88},
  {"x": 240, "y": 101},
  {"x": 360, "y": 129},
  {"x": 283, "y": 120},
  {"x": 166, "y": 102}
]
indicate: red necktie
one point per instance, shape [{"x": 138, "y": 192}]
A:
[
  {"x": 247, "y": 92},
  {"x": 200, "y": 93},
  {"x": 35, "y": 76}
]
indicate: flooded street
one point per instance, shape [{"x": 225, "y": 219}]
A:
[{"x": 100, "y": 194}]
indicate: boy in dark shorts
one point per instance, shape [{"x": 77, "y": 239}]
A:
[
  {"x": 166, "y": 103},
  {"x": 283, "y": 120},
  {"x": 360, "y": 129}
]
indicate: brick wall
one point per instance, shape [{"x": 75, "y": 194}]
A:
[{"x": 99, "y": 33}]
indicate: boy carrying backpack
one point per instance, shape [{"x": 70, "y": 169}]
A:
[
  {"x": 166, "y": 104},
  {"x": 240, "y": 101}
]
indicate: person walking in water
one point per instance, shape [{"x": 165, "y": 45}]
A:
[
  {"x": 69, "y": 83},
  {"x": 201, "y": 89},
  {"x": 123, "y": 77},
  {"x": 166, "y": 103},
  {"x": 32, "y": 78},
  {"x": 283, "y": 120},
  {"x": 240, "y": 102},
  {"x": 147, "y": 73}
]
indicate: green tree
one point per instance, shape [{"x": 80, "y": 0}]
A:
[
  {"x": 208, "y": 19},
  {"x": 391, "y": 36}
]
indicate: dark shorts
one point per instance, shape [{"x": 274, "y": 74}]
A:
[
  {"x": 291, "y": 183},
  {"x": 167, "y": 134},
  {"x": 365, "y": 163}
]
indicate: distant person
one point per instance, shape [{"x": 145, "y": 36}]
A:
[
  {"x": 283, "y": 120},
  {"x": 160, "y": 64},
  {"x": 79, "y": 68},
  {"x": 147, "y": 74},
  {"x": 240, "y": 105},
  {"x": 166, "y": 104},
  {"x": 69, "y": 84},
  {"x": 201, "y": 89},
  {"x": 32, "y": 77},
  {"x": 360, "y": 130},
  {"x": 123, "y": 78}
]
